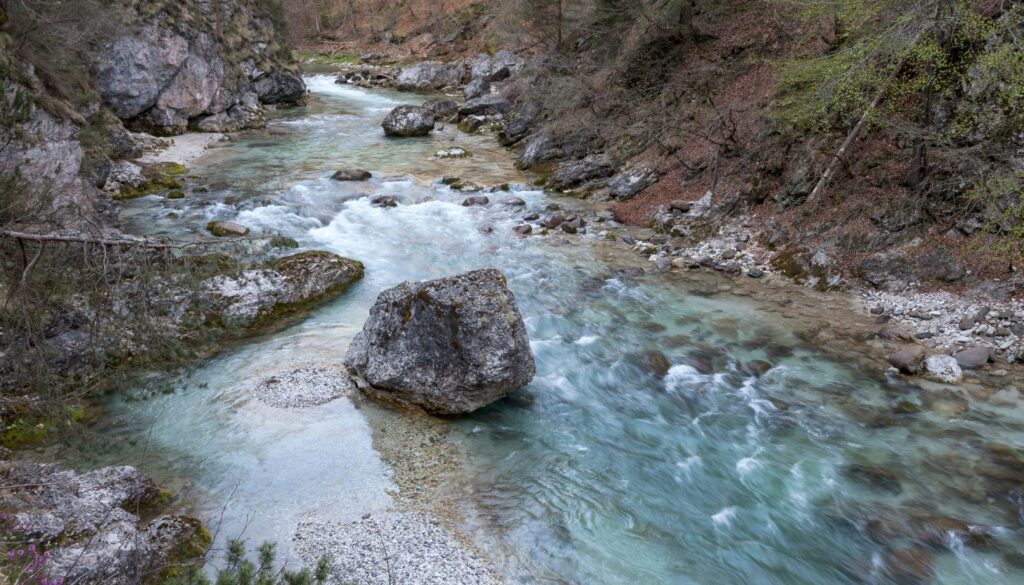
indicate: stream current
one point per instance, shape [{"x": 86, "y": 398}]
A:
[{"x": 821, "y": 471}]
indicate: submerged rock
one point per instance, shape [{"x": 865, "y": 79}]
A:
[
  {"x": 451, "y": 345},
  {"x": 405, "y": 121},
  {"x": 351, "y": 175}
]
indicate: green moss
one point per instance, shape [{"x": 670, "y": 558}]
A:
[
  {"x": 25, "y": 432},
  {"x": 176, "y": 194},
  {"x": 334, "y": 59},
  {"x": 159, "y": 177},
  {"x": 785, "y": 263},
  {"x": 283, "y": 242}
]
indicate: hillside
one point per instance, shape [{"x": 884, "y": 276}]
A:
[{"x": 752, "y": 102}]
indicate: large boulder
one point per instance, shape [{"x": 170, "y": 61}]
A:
[
  {"x": 451, "y": 345},
  {"x": 429, "y": 76},
  {"x": 405, "y": 121},
  {"x": 254, "y": 296}
]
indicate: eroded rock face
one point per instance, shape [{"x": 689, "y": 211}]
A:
[
  {"x": 574, "y": 173},
  {"x": 405, "y": 121},
  {"x": 211, "y": 70},
  {"x": 90, "y": 522},
  {"x": 629, "y": 182},
  {"x": 485, "y": 105},
  {"x": 451, "y": 345}
]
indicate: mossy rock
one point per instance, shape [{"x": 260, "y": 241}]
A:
[
  {"x": 176, "y": 194},
  {"x": 159, "y": 177},
  {"x": 224, "y": 229},
  {"x": 284, "y": 242}
]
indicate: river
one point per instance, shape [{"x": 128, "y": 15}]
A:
[{"x": 818, "y": 472}]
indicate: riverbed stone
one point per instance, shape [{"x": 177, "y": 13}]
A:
[
  {"x": 408, "y": 121},
  {"x": 908, "y": 360},
  {"x": 351, "y": 175},
  {"x": 384, "y": 201},
  {"x": 943, "y": 368},
  {"x": 487, "y": 105},
  {"x": 451, "y": 345},
  {"x": 973, "y": 358},
  {"x": 476, "y": 200},
  {"x": 223, "y": 229}
]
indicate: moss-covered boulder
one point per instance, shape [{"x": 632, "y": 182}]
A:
[{"x": 259, "y": 295}]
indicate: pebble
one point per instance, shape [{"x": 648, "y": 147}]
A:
[{"x": 410, "y": 548}]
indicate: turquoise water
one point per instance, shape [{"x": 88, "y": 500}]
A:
[{"x": 600, "y": 471}]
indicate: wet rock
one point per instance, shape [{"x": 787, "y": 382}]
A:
[
  {"x": 488, "y": 105},
  {"x": 908, "y": 566},
  {"x": 973, "y": 358},
  {"x": 629, "y": 182},
  {"x": 757, "y": 367},
  {"x": 938, "y": 531},
  {"x": 514, "y": 202},
  {"x": 223, "y": 229},
  {"x": 453, "y": 152},
  {"x": 876, "y": 478},
  {"x": 568, "y": 228},
  {"x": 908, "y": 360},
  {"x": 943, "y": 368},
  {"x": 475, "y": 200},
  {"x": 383, "y": 201},
  {"x": 451, "y": 345},
  {"x": 755, "y": 273},
  {"x": 523, "y": 229},
  {"x": 351, "y": 175},
  {"x": 486, "y": 229},
  {"x": 405, "y": 121},
  {"x": 651, "y": 362},
  {"x": 552, "y": 221},
  {"x": 539, "y": 148}
]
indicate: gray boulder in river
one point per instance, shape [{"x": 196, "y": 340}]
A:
[
  {"x": 407, "y": 121},
  {"x": 451, "y": 345}
]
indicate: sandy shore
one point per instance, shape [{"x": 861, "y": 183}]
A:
[{"x": 179, "y": 149}]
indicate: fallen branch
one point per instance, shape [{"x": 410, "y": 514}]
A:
[{"x": 76, "y": 239}]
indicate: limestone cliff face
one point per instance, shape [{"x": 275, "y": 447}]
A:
[
  {"x": 208, "y": 64},
  {"x": 171, "y": 66}
]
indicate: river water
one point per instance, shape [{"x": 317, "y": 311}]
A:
[{"x": 820, "y": 471}]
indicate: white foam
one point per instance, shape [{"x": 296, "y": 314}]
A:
[
  {"x": 724, "y": 516},
  {"x": 587, "y": 340},
  {"x": 747, "y": 465}
]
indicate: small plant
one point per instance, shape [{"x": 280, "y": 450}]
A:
[
  {"x": 240, "y": 570},
  {"x": 21, "y": 563}
]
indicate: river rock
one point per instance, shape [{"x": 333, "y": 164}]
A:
[
  {"x": 223, "y": 229},
  {"x": 442, "y": 108},
  {"x": 973, "y": 358},
  {"x": 908, "y": 360},
  {"x": 453, "y": 152},
  {"x": 384, "y": 201},
  {"x": 475, "y": 200},
  {"x": 943, "y": 368},
  {"x": 451, "y": 345},
  {"x": 524, "y": 229},
  {"x": 405, "y": 121},
  {"x": 488, "y": 105},
  {"x": 498, "y": 67},
  {"x": 252, "y": 297},
  {"x": 351, "y": 175},
  {"x": 895, "y": 333}
]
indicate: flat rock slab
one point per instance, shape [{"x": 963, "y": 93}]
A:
[
  {"x": 302, "y": 387},
  {"x": 410, "y": 548}
]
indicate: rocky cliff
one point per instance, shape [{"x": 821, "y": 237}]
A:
[{"x": 158, "y": 66}]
